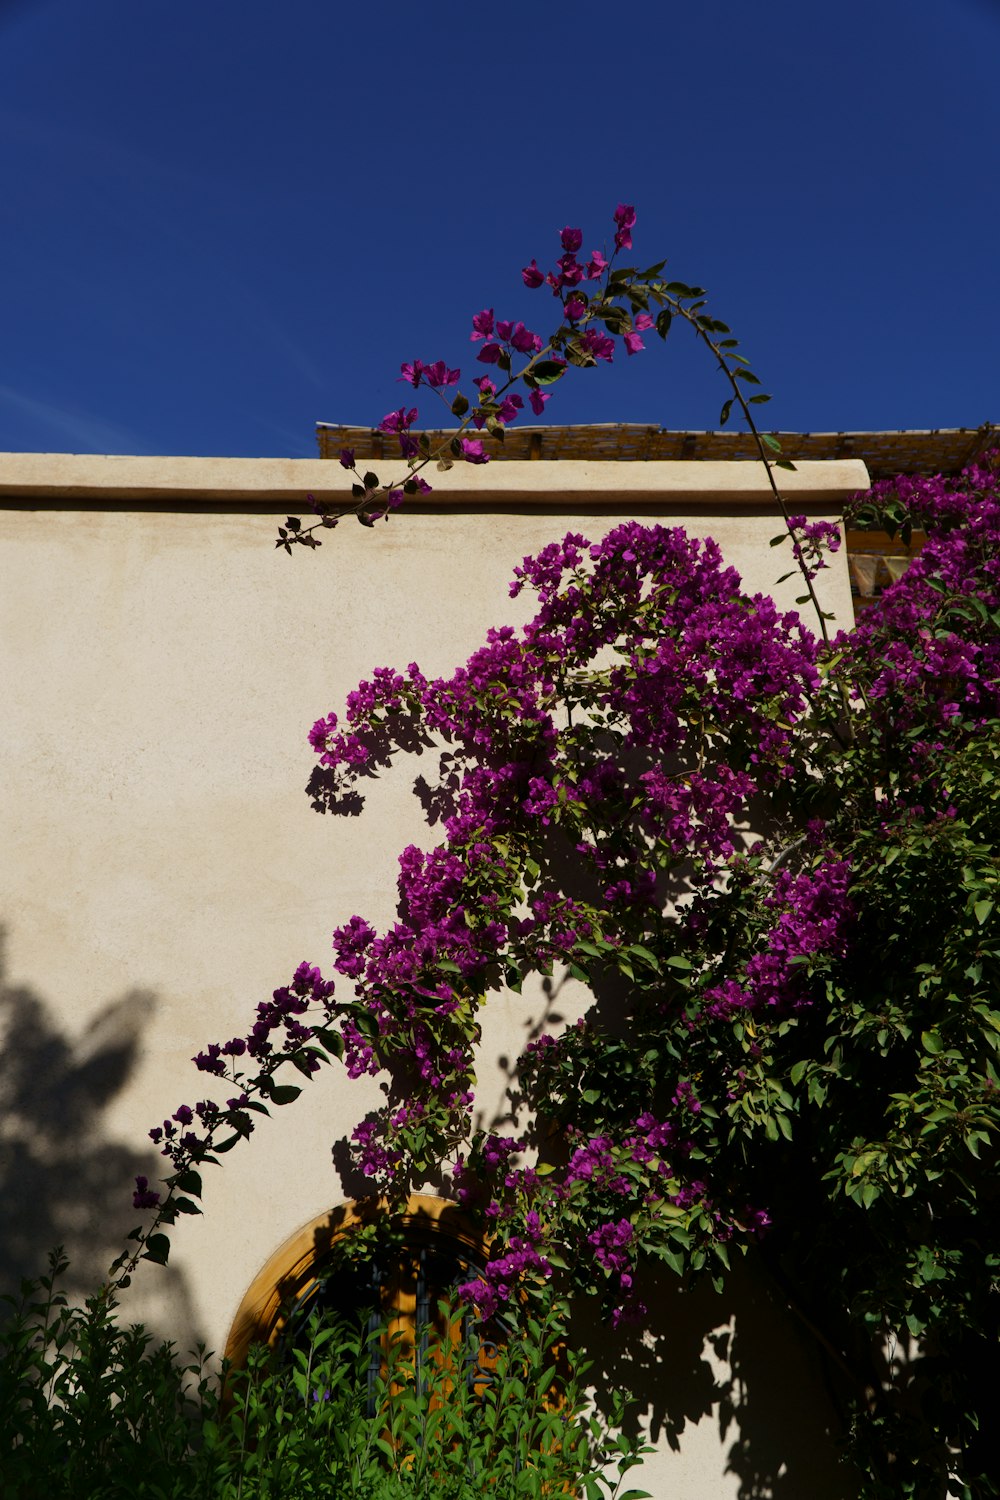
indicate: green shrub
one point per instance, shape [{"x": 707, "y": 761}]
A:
[{"x": 93, "y": 1411}]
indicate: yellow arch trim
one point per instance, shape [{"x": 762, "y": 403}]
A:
[{"x": 288, "y": 1273}]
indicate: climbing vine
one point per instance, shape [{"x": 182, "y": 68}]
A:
[{"x": 768, "y": 850}]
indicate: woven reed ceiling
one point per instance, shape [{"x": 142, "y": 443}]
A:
[{"x": 941, "y": 451}]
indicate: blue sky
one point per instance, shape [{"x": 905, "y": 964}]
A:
[{"x": 220, "y": 222}]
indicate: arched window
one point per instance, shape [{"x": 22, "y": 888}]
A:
[
  {"x": 496, "y": 1398},
  {"x": 399, "y": 1284}
]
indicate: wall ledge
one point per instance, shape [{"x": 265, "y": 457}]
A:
[{"x": 92, "y": 479}]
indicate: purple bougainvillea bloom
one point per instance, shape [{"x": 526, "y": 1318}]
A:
[
  {"x": 509, "y": 408},
  {"x": 575, "y": 307},
  {"x": 482, "y": 325},
  {"x": 489, "y": 354},
  {"x": 399, "y": 420},
  {"x": 633, "y": 342},
  {"x": 600, "y": 345},
  {"x": 532, "y": 276},
  {"x": 524, "y": 341},
  {"x": 571, "y": 271},
  {"x": 143, "y": 1197},
  {"x": 438, "y": 374},
  {"x": 597, "y": 266},
  {"x": 408, "y": 445},
  {"x": 347, "y": 458},
  {"x": 625, "y": 219},
  {"x": 412, "y": 373},
  {"x": 538, "y": 400},
  {"x": 643, "y": 321},
  {"x": 472, "y": 451},
  {"x": 571, "y": 239}
]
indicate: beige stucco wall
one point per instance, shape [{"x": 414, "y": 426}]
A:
[{"x": 161, "y": 666}]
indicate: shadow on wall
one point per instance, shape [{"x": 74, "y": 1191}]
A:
[
  {"x": 738, "y": 1361},
  {"x": 62, "y": 1180}
]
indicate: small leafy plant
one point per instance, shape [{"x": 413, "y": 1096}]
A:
[{"x": 93, "y": 1411}]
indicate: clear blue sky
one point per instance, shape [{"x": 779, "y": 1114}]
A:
[{"x": 221, "y": 222}]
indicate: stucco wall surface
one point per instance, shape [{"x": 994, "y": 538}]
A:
[{"x": 163, "y": 869}]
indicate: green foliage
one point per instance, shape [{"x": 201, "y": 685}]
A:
[
  {"x": 92, "y": 1411},
  {"x": 437, "y": 1426}
]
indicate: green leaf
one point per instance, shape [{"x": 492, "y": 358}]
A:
[
  {"x": 644, "y": 953},
  {"x": 727, "y": 407},
  {"x": 982, "y": 910},
  {"x": 284, "y": 1093},
  {"x": 157, "y": 1249},
  {"x": 931, "y": 1042},
  {"x": 331, "y": 1040},
  {"x": 548, "y": 371},
  {"x": 678, "y": 961},
  {"x": 770, "y": 441}
]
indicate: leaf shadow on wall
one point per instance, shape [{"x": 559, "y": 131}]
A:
[
  {"x": 63, "y": 1180},
  {"x": 735, "y": 1366},
  {"x": 731, "y": 1381}
]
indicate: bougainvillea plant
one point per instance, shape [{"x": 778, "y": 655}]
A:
[{"x": 771, "y": 854}]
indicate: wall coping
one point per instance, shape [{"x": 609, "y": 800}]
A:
[{"x": 92, "y": 479}]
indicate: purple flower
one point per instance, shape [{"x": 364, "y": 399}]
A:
[
  {"x": 472, "y": 451},
  {"x": 538, "y": 400},
  {"x": 571, "y": 272},
  {"x": 347, "y": 458},
  {"x": 489, "y": 354},
  {"x": 482, "y": 325},
  {"x": 596, "y": 267},
  {"x": 412, "y": 373},
  {"x": 399, "y": 420},
  {"x": 625, "y": 219},
  {"x": 438, "y": 375},
  {"x": 532, "y": 276},
  {"x": 571, "y": 239},
  {"x": 575, "y": 307},
  {"x": 633, "y": 342},
  {"x": 144, "y": 1197},
  {"x": 524, "y": 341},
  {"x": 600, "y": 345}
]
